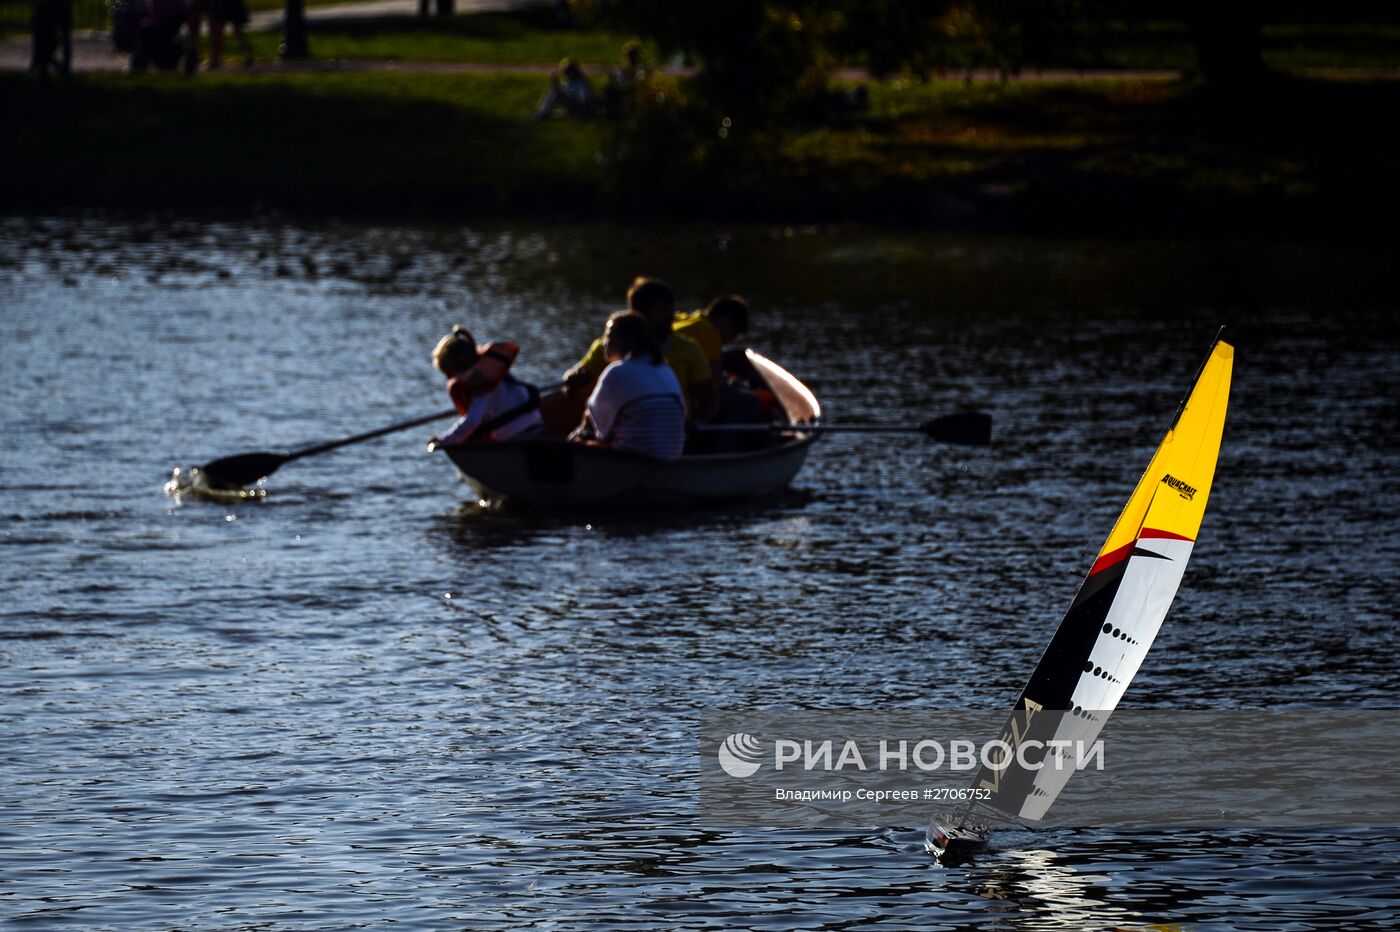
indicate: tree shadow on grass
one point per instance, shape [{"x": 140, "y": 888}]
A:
[
  {"x": 1292, "y": 155},
  {"x": 343, "y": 146},
  {"x": 1341, "y": 131}
]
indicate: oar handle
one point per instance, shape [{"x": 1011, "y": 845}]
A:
[
  {"x": 814, "y": 428},
  {"x": 969, "y": 428},
  {"x": 392, "y": 428},
  {"x": 371, "y": 434}
]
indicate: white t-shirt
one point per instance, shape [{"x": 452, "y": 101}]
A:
[
  {"x": 497, "y": 401},
  {"x": 639, "y": 406}
]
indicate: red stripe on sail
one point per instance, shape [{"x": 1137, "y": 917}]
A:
[
  {"x": 1112, "y": 557},
  {"x": 1121, "y": 554},
  {"x": 1148, "y": 532}
]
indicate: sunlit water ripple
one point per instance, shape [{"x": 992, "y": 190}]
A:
[{"x": 361, "y": 699}]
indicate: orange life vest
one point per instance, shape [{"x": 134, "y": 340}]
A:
[{"x": 492, "y": 366}]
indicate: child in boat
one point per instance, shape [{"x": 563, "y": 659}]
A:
[
  {"x": 484, "y": 391},
  {"x": 637, "y": 404}
]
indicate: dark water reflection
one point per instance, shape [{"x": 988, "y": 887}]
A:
[{"x": 363, "y": 699}]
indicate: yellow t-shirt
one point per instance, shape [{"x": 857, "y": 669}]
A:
[
  {"x": 684, "y": 356},
  {"x": 699, "y": 328}
]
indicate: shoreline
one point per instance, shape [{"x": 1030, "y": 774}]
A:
[{"x": 1123, "y": 158}]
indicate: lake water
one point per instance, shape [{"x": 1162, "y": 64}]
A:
[{"x": 361, "y": 699}]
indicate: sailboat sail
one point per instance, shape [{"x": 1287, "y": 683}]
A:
[{"x": 1118, "y": 610}]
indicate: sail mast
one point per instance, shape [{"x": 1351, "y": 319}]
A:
[{"x": 1118, "y": 609}]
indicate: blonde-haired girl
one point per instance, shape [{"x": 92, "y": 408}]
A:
[{"x": 483, "y": 390}]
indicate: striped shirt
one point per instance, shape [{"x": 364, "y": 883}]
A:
[{"x": 638, "y": 406}]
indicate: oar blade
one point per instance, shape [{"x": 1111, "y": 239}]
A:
[
  {"x": 234, "y": 472},
  {"x": 971, "y": 428}
]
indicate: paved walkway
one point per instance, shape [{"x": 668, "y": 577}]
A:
[
  {"x": 92, "y": 50},
  {"x": 272, "y": 19}
]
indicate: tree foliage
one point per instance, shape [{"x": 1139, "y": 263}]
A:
[
  {"x": 764, "y": 60},
  {"x": 758, "y": 59}
]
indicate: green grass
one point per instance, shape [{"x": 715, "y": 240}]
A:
[
  {"x": 325, "y": 142},
  {"x": 1102, "y": 151},
  {"x": 1306, "y": 157},
  {"x": 1167, "y": 45},
  {"x": 519, "y": 38},
  {"x": 1285, "y": 46},
  {"x": 537, "y": 36},
  {"x": 531, "y": 37}
]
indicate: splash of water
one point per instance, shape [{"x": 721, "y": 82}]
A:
[{"x": 191, "y": 483}]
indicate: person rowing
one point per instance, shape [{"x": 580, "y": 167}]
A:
[
  {"x": 492, "y": 404},
  {"x": 724, "y": 321},
  {"x": 637, "y": 403},
  {"x": 654, "y": 300}
]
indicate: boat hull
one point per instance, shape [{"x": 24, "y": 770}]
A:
[
  {"x": 956, "y": 845},
  {"x": 555, "y": 474}
]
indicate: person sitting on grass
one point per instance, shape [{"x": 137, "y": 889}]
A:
[
  {"x": 656, "y": 302},
  {"x": 568, "y": 88},
  {"x": 492, "y": 404},
  {"x": 637, "y": 404},
  {"x": 623, "y": 82}
]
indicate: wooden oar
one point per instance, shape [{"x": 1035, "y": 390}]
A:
[
  {"x": 971, "y": 429},
  {"x": 234, "y": 472}
]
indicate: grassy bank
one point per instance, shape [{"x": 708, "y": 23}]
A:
[
  {"x": 324, "y": 142},
  {"x": 1304, "y": 158},
  {"x": 536, "y": 36},
  {"x": 523, "y": 37}
]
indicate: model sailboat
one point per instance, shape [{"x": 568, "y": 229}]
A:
[{"x": 1112, "y": 622}]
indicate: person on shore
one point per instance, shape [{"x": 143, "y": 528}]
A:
[
  {"x": 198, "y": 10},
  {"x": 569, "y": 88},
  {"x": 150, "y": 30},
  {"x": 637, "y": 403},
  {"x": 623, "y": 82},
  {"x": 234, "y": 13},
  {"x": 50, "y": 29},
  {"x": 492, "y": 404},
  {"x": 654, "y": 300}
]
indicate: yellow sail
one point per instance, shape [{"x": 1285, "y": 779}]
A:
[
  {"x": 1170, "y": 498},
  {"x": 1117, "y": 612}
]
